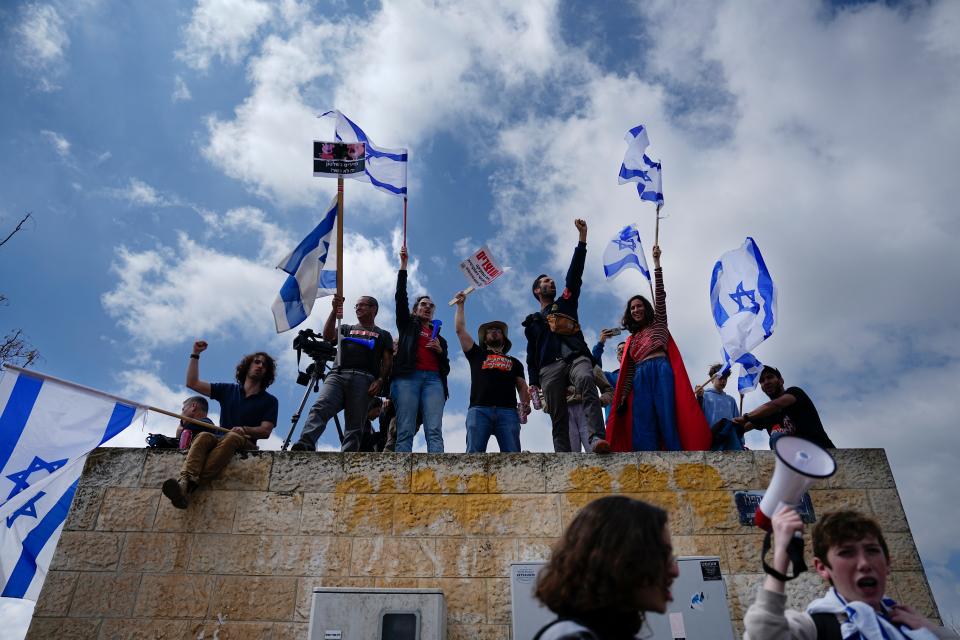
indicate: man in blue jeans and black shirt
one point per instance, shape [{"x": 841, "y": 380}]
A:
[
  {"x": 495, "y": 381},
  {"x": 557, "y": 355}
]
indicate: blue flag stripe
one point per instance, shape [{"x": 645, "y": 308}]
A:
[
  {"x": 765, "y": 285},
  {"x": 16, "y": 413},
  {"x": 611, "y": 269},
  {"x": 384, "y": 185},
  {"x": 720, "y": 315},
  {"x": 312, "y": 241},
  {"x": 26, "y": 567},
  {"x": 120, "y": 419}
]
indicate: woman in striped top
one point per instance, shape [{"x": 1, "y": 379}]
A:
[{"x": 648, "y": 370}]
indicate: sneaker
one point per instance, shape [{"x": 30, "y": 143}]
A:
[
  {"x": 176, "y": 492},
  {"x": 600, "y": 446},
  {"x": 299, "y": 446}
]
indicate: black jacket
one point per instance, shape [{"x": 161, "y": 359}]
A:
[
  {"x": 408, "y": 329},
  {"x": 544, "y": 346}
]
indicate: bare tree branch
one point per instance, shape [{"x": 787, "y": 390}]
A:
[
  {"x": 12, "y": 233},
  {"x": 14, "y": 347}
]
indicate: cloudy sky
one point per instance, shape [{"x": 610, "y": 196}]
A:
[{"x": 163, "y": 150}]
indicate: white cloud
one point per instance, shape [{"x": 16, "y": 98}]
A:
[
  {"x": 222, "y": 28},
  {"x": 41, "y": 42},
  {"x": 266, "y": 144},
  {"x": 172, "y": 295},
  {"x": 140, "y": 194},
  {"x": 181, "y": 91},
  {"x": 60, "y": 144}
]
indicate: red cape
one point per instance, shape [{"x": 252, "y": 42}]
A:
[{"x": 691, "y": 425}]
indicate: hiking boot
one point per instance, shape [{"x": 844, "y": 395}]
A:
[
  {"x": 176, "y": 491},
  {"x": 299, "y": 446},
  {"x": 600, "y": 446}
]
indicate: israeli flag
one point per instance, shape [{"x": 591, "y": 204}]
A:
[
  {"x": 47, "y": 428},
  {"x": 638, "y": 167},
  {"x": 624, "y": 251},
  {"x": 385, "y": 169},
  {"x": 744, "y": 304},
  {"x": 750, "y": 369},
  {"x": 305, "y": 268}
]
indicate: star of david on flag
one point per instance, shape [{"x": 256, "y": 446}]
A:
[
  {"x": 47, "y": 428},
  {"x": 743, "y": 300},
  {"x": 625, "y": 251},
  {"x": 639, "y": 168}
]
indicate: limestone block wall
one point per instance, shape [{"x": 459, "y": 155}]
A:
[{"x": 243, "y": 559}]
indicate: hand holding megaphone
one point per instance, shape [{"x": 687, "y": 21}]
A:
[{"x": 799, "y": 464}]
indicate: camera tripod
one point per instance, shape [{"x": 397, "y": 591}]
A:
[{"x": 315, "y": 373}]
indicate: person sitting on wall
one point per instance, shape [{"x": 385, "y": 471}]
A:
[
  {"x": 790, "y": 412},
  {"x": 245, "y": 408},
  {"x": 850, "y": 553},
  {"x": 195, "y": 407}
]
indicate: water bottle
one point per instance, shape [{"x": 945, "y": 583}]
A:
[
  {"x": 185, "y": 437},
  {"x": 535, "y": 398}
]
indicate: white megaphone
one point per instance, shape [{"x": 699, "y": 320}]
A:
[{"x": 799, "y": 464}]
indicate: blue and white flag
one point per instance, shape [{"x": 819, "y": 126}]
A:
[
  {"x": 750, "y": 369},
  {"x": 306, "y": 276},
  {"x": 47, "y": 428},
  {"x": 638, "y": 167},
  {"x": 743, "y": 300},
  {"x": 385, "y": 169},
  {"x": 625, "y": 251}
]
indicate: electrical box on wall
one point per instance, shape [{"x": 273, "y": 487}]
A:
[
  {"x": 699, "y": 610},
  {"x": 377, "y": 614}
]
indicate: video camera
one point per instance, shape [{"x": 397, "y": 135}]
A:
[{"x": 320, "y": 350}]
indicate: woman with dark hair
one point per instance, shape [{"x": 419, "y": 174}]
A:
[
  {"x": 420, "y": 369},
  {"x": 649, "y": 379},
  {"x": 613, "y": 563}
]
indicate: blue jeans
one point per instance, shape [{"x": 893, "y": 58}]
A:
[
  {"x": 654, "y": 407},
  {"x": 419, "y": 391},
  {"x": 503, "y": 424}
]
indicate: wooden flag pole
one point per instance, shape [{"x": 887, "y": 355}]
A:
[
  {"x": 741, "y": 404},
  {"x": 339, "y": 259},
  {"x": 182, "y": 418},
  {"x": 404, "y": 222},
  {"x": 656, "y": 235}
]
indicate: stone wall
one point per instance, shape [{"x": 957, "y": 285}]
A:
[{"x": 251, "y": 548}]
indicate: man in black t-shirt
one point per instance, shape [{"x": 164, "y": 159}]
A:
[
  {"x": 495, "y": 381},
  {"x": 366, "y": 353},
  {"x": 790, "y": 412}
]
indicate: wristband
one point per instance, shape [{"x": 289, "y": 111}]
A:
[{"x": 194, "y": 356}]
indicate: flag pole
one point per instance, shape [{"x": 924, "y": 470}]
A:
[
  {"x": 404, "y": 221},
  {"x": 115, "y": 398},
  {"x": 741, "y": 404},
  {"x": 339, "y": 259},
  {"x": 656, "y": 235}
]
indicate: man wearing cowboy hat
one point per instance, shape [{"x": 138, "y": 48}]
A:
[{"x": 495, "y": 381}]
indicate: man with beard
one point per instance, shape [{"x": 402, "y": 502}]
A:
[
  {"x": 790, "y": 412},
  {"x": 495, "y": 381},
  {"x": 245, "y": 408},
  {"x": 366, "y": 353},
  {"x": 558, "y": 357}
]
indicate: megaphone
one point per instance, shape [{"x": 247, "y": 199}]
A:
[
  {"x": 436, "y": 329},
  {"x": 367, "y": 342},
  {"x": 799, "y": 464}
]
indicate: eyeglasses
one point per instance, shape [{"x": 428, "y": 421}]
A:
[
  {"x": 425, "y": 304},
  {"x": 259, "y": 361}
]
